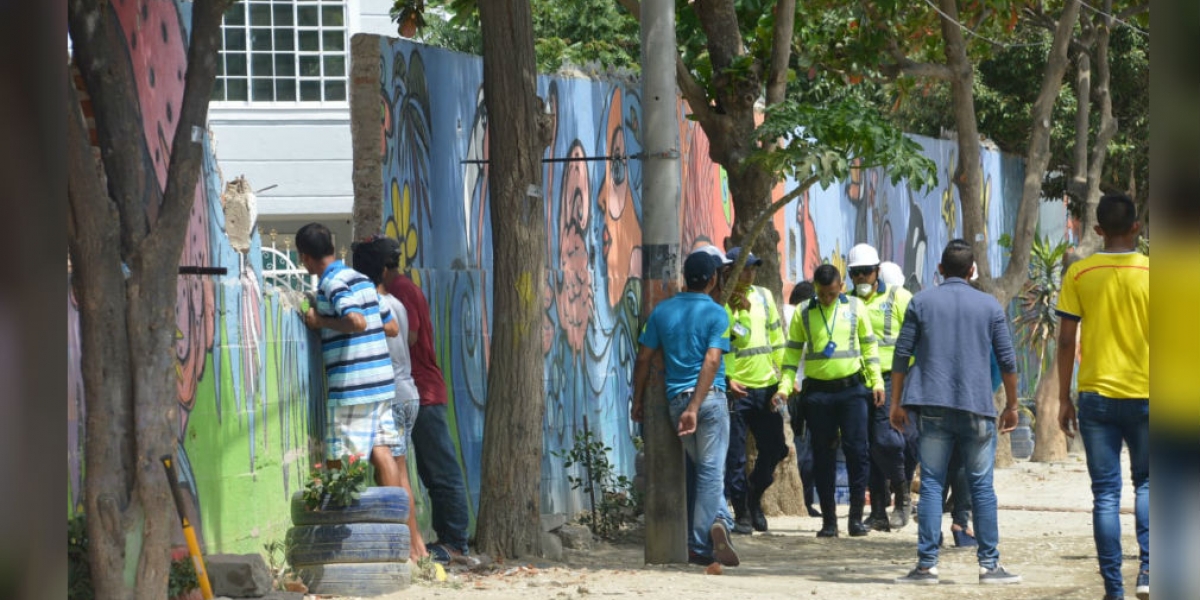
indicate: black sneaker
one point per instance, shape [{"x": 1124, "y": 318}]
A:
[
  {"x": 879, "y": 523},
  {"x": 742, "y": 526},
  {"x": 1143, "y": 585},
  {"x": 919, "y": 576},
  {"x": 723, "y": 551},
  {"x": 699, "y": 559},
  {"x": 997, "y": 575}
]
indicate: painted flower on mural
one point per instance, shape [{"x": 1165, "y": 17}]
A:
[
  {"x": 575, "y": 296},
  {"x": 400, "y": 227}
]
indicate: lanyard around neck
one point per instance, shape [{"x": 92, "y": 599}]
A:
[{"x": 828, "y": 322}]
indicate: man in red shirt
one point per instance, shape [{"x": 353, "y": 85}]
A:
[{"x": 437, "y": 462}]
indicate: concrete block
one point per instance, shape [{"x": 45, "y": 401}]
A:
[
  {"x": 238, "y": 575},
  {"x": 554, "y": 521},
  {"x": 552, "y": 547},
  {"x": 576, "y": 537}
]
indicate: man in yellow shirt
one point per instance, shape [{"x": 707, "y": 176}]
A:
[
  {"x": 841, "y": 379},
  {"x": 1107, "y": 295}
]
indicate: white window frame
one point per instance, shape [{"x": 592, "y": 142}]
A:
[{"x": 350, "y": 24}]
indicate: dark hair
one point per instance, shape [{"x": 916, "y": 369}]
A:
[
  {"x": 1116, "y": 214},
  {"x": 826, "y": 274},
  {"x": 367, "y": 261},
  {"x": 314, "y": 240},
  {"x": 803, "y": 291},
  {"x": 957, "y": 259}
]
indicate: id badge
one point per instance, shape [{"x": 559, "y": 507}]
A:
[
  {"x": 829, "y": 348},
  {"x": 739, "y": 330}
]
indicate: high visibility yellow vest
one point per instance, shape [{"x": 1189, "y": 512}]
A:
[
  {"x": 886, "y": 308},
  {"x": 857, "y": 349},
  {"x": 757, "y": 353}
]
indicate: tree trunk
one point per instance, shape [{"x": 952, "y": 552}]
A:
[
  {"x": 968, "y": 173},
  {"x": 1049, "y": 442},
  {"x": 1090, "y": 240},
  {"x": 509, "y": 505},
  {"x": 751, "y": 193},
  {"x": 1004, "y": 455}
]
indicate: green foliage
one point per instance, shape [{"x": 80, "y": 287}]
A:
[
  {"x": 825, "y": 143},
  {"x": 79, "y": 572},
  {"x": 1036, "y": 323},
  {"x": 336, "y": 486},
  {"x": 619, "y": 504},
  {"x": 182, "y": 578},
  {"x": 281, "y": 571},
  {"x": 1144, "y": 245}
]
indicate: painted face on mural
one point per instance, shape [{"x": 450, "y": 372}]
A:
[
  {"x": 575, "y": 296},
  {"x": 622, "y": 231}
]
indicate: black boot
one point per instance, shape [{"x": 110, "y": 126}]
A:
[
  {"x": 741, "y": 518},
  {"x": 754, "y": 506},
  {"x": 878, "y": 520},
  {"x": 829, "y": 525},
  {"x": 903, "y": 506},
  {"x": 855, "y": 524}
]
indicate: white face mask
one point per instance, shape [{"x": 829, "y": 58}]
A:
[{"x": 864, "y": 289}]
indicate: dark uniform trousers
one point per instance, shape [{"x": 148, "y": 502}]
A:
[{"x": 826, "y": 413}]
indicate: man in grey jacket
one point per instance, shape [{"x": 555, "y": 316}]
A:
[{"x": 951, "y": 331}]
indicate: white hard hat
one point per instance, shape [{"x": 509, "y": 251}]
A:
[
  {"x": 862, "y": 255},
  {"x": 715, "y": 252},
  {"x": 890, "y": 274}
]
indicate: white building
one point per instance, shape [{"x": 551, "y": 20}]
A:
[{"x": 280, "y": 111}]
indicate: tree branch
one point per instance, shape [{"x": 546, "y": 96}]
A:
[
  {"x": 781, "y": 50},
  {"x": 756, "y": 229},
  {"x": 906, "y": 66},
  {"x": 89, "y": 211},
  {"x": 166, "y": 239},
  {"x": 96, "y": 40},
  {"x": 1133, "y": 11}
]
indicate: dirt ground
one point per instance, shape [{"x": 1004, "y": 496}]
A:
[{"x": 1045, "y": 529}]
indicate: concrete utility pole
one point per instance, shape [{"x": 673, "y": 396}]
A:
[{"x": 665, "y": 504}]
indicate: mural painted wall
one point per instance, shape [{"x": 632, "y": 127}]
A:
[
  {"x": 242, "y": 352},
  {"x": 434, "y": 145}
]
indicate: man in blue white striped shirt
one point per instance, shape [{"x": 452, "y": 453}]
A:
[{"x": 358, "y": 367}]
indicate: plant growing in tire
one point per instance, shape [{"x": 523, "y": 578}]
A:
[{"x": 336, "y": 486}]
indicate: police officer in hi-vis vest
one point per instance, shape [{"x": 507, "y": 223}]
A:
[
  {"x": 891, "y": 466},
  {"x": 752, "y": 368},
  {"x": 841, "y": 380}
]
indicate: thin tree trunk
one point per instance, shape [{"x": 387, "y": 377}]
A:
[
  {"x": 509, "y": 505},
  {"x": 1050, "y": 443},
  {"x": 1091, "y": 241},
  {"x": 1004, "y": 455},
  {"x": 751, "y": 193}
]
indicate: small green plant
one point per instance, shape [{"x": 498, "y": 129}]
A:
[
  {"x": 336, "y": 485},
  {"x": 614, "y": 502},
  {"x": 281, "y": 571},
  {"x": 182, "y": 578},
  {"x": 79, "y": 573},
  {"x": 1037, "y": 323}
]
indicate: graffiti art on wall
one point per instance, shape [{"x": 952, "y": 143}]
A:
[
  {"x": 593, "y": 219},
  {"x": 242, "y": 353}
]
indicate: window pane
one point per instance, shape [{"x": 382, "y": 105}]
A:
[
  {"x": 285, "y": 39},
  {"x": 310, "y": 91},
  {"x": 283, "y": 15},
  {"x": 335, "y": 91},
  {"x": 285, "y": 90},
  {"x": 309, "y": 40},
  {"x": 261, "y": 65},
  {"x": 260, "y": 39},
  {"x": 236, "y": 15},
  {"x": 264, "y": 89},
  {"x": 235, "y": 38},
  {"x": 220, "y": 64},
  {"x": 310, "y": 66},
  {"x": 285, "y": 65},
  {"x": 235, "y": 63},
  {"x": 334, "y": 41},
  {"x": 235, "y": 89},
  {"x": 218, "y": 90},
  {"x": 260, "y": 14},
  {"x": 332, "y": 16},
  {"x": 306, "y": 16},
  {"x": 335, "y": 66}
]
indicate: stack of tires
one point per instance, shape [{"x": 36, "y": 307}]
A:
[
  {"x": 356, "y": 550},
  {"x": 1022, "y": 437}
]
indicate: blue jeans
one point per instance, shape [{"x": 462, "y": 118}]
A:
[
  {"x": 941, "y": 431},
  {"x": 1104, "y": 423},
  {"x": 754, "y": 414},
  {"x": 705, "y": 450},
  {"x": 887, "y": 451},
  {"x": 437, "y": 465}
]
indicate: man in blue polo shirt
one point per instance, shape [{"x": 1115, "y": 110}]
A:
[
  {"x": 691, "y": 332},
  {"x": 359, "y": 379}
]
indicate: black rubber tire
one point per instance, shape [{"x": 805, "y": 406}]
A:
[
  {"x": 348, "y": 543},
  {"x": 356, "y": 579},
  {"x": 374, "y": 505}
]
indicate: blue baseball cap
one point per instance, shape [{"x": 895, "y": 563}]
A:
[{"x": 698, "y": 268}]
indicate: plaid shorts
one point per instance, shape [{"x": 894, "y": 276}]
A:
[
  {"x": 357, "y": 428},
  {"x": 405, "y": 414}
]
